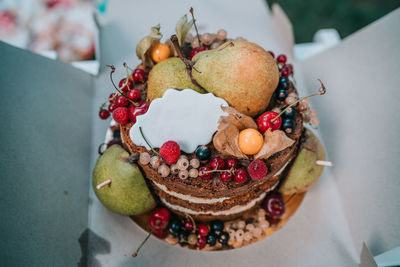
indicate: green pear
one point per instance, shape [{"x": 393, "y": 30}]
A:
[
  {"x": 169, "y": 73},
  {"x": 304, "y": 172},
  {"x": 127, "y": 194},
  {"x": 241, "y": 72}
]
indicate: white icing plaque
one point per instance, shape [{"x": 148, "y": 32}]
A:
[{"x": 184, "y": 116}]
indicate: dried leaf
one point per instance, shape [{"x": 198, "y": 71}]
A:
[
  {"x": 143, "y": 48},
  {"x": 226, "y": 140},
  {"x": 182, "y": 28},
  {"x": 241, "y": 121},
  {"x": 274, "y": 141}
]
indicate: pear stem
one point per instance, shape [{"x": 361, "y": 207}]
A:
[
  {"x": 321, "y": 91},
  {"x": 147, "y": 142},
  {"x": 195, "y": 26},
  {"x": 145, "y": 240},
  {"x": 324, "y": 163},
  {"x": 125, "y": 84},
  {"x": 103, "y": 184}
]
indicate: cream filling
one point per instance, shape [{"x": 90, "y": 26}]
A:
[
  {"x": 233, "y": 210},
  {"x": 198, "y": 200}
]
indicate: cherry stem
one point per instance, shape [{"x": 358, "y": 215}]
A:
[
  {"x": 195, "y": 26},
  {"x": 147, "y": 142},
  {"x": 321, "y": 91},
  {"x": 147, "y": 237},
  {"x": 193, "y": 222},
  {"x": 125, "y": 84}
]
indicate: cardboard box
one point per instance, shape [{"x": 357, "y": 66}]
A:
[{"x": 51, "y": 132}]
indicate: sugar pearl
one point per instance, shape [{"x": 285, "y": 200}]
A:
[
  {"x": 241, "y": 224},
  {"x": 239, "y": 235},
  {"x": 144, "y": 158},
  {"x": 174, "y": 169},
  {"x": 221, "y": 35},
  {"x": 183, "y": 163},
  {"x": 248, "y": 236},
  {"x": 303, "y": 107},
  {"x": 257, "y": 232},
  {"x": 163, "y": 170},
  {"x": 305, "y": 101},
  {"x": 188, "y": 38},
  {"x": 231, "y": 233},
  {"x": 250, "y": 227},
  {"x": 193, "y": 173},
  {"x": 215, "y": 45},
  {"x": 264, "y": 225},
  {"x": 207, "y": 38},
  {"x": 183, "y": 174},
  {"x": 155, "y": 162},
  {"x": 293, "y": 94},
  {"x": 195, "y": 163},
  {"x": 195, "y": 42},
  {"x": 290, "y": 100}
]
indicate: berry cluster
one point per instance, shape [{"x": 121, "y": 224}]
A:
[
  {"x": 126, "y": 103},
  {"x": 189, "y": 234}
]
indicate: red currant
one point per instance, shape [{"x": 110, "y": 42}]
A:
[
  {"x": 290, "y": 67},
  {"x": 134, "y": 94},
  {"x": 121, "y": 101},
  {"x": 226, "y": 176},
  {"x": 159, "y": 219},
  {"x": 201, "y": 242},
  {"x": 111, "y": 98},
  {"x": 188, "y": 225},
  {"x": 131, "y": 113},
  {"x": 217, "y": 164},
  {"x": 112, "y": 107},
  {"x": 281, "y": 58},
  {"x": 274, "y": 204},
  {"x": 271, "y": 53},
  {"x": 240, "y": 176},
  {"x": 197, "y": 50},
  {"x": 264, "y": 121},
  {"x": 203, "y": 229},
  {"x": 231, "y": 164},
  {"x": 205, "y": 176},
  {"x": 104, "y": 114},
  {"x": 138, "y": 75},
  {"x": 124, "y": 87},
  {"x": 285, "y": 72}
]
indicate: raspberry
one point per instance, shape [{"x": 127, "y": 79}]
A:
[
  {"x": 170, "y": 152},
  {"x": 257, "y": 169},
  {"x": 120, "y": 115}
]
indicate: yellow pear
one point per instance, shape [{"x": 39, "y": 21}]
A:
[
  {"x": 241, "y": 72},
  {"x": 169, "y": 73}
]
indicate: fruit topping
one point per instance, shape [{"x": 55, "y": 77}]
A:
[
  {"x": 264, "y": 121},
  {"x": 159, "y": 218},
  {"x": 175, "y": 226},
  {"x": 217, "y": 226},
  {"x": 204, "y": 172},
  {"x": 138, "y": 75},
  {"x": 170, "y": 152},
  {"x": 240, "y": 176},
  {"x": 203, "y": 229},
  {"x": 212, "y": 239},
  {"x": 203, "y": 153},
  {"x": 192, "y": 239},
  {"x": 188, "y": 225},
  {"x": 134, "y": 94},
  {"x": 201, "y": 242},
  {"x": 250, "y": 141},
  {"x": 257, "y": 169},
  {"x": 231, "y": 163},
  {"x": 121, "y": 101},
  {"x": 125, "y": 86},
  {"x": 223, "y": 238},
  {"x": 274, "y": 204},
  {"x": 120, "y": 115},
  {"x": 281, "y": 58},
  {"x": 288, "y": 125},
  {"x": 217, "y": 164},
  {"x": 160, "y": 52},
  {"x": 226, "y": 176},
  {"x": 104, "y": 114}
]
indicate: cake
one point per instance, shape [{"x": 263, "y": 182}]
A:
[{"x": 216, "y": 127}]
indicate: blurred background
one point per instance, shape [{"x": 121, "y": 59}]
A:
[{"x": 65, "y": 29}]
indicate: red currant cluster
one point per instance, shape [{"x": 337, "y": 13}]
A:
[
  {"x": 228, "y": 169},
  {"x": 126, "y": 104}
]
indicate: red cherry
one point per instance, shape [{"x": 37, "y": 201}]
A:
[
  {"x": 120, "y": 115},
  {"x": 226, "y": 176},
  {"x": 159, "y": 218},
  {"x": 138, "y": 75},
  {"x": 160, "y": 233},
  {"x": 271, "y": 53},
  {"x": 131, "y": 113},
  {"x": 205, "y": 176},
  {"x": 231, "y": 164},
  {"x": 124, "y": 87},
  {"x": 197, "y": 50},
  {"x": 281, "y": 58},
  {"x": 285, "y": 72},
  {"x": 104, "y": 114},
  {"x": 240, "y": 176},
  {"x": 273, "y": 220},
  {"x": 274, "y": 204},
  {"x": 142, "y": 108},
  {"x": 217, "y": 164},
  {"x": 188, "y": 225},
  {"x": 134, "y": 94},
  {"x": 201, "y": 242},
  {"x": 264, "y": 121},
  {"x": 203, "y": 229},
  {"x": 111, "y": 97},
  {"x": 121, "y": 101}
]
